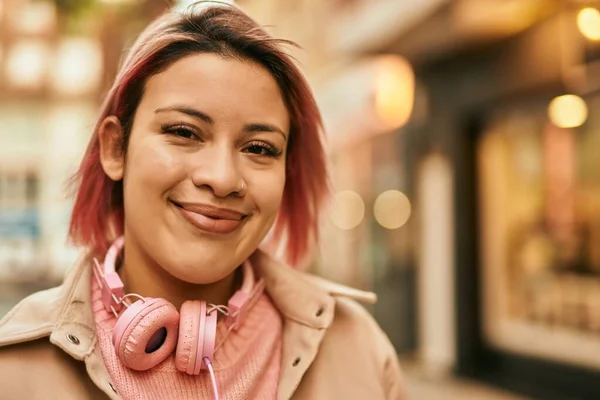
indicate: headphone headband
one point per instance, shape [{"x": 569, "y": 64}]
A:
[{"x": 110, "y": 260}]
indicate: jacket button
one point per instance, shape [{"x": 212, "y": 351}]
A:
[
  {"x": 73, "y": 339},
  {"x": 112, "y": 387},
  {"x": 296, "y": 362}
]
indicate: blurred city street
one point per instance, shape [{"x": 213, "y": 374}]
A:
[{"x": 464, "y": 143}]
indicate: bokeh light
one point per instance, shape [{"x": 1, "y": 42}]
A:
[
  {"x": 588, "y": 22},
  {"x": 394, "y": 92},
  {"x": 35, "y": 18},
  {"x": 78, "y": 66},
  {"x": 26, "y": 63},
  {"x": 568, "y": 111},
  {"x": 392, "y": 209},
  {"x": 349, "y": 210}
]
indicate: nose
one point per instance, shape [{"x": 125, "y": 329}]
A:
[{"x": 217, "y": 169}]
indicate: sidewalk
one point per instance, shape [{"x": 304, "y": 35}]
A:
[{"x": 422, "y": 387}]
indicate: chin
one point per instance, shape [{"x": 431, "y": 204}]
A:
[
  {"x": 202, "y": 260},
  {"x": 200, "y": 271},
  {"x": 197, "y": 277}
]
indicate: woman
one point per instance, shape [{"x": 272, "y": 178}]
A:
[{"x": 209, "y": 140}]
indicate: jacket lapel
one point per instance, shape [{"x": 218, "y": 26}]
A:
[
  {"x": 40, "y": 314},
  {"x": 308, "y": 311},
  {"x": 65, "y": 315}
]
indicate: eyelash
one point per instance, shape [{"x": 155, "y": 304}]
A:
[
  {"x": 270, "y": 150},
  {"x": 175, "y": 129},
  {"x": 188, "y": 133}
]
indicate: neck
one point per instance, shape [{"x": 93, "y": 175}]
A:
[{"x": 149, "y": 279}]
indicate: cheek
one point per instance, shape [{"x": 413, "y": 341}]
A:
[
  {"x": 269, "y": 192},
  {"x": 150, "y": 166}
]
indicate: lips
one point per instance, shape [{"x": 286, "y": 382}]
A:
[{"x": 211, "y": 219}]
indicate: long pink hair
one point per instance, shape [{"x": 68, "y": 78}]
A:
[{"x": 97, "y": 216}]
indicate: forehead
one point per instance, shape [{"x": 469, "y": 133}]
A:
[{"x": 219, "y": 85}]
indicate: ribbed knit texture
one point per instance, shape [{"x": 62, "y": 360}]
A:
[{"x": 246, "y": 366}]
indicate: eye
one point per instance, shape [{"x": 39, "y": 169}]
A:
[
  {"x": 181, "y": 131},
  {"x": 263, "y": 149}
]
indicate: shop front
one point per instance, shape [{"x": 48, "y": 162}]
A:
[{"x": 523, "y": 191}]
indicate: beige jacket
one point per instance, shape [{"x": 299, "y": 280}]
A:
[{"x": 332, "y": 348}]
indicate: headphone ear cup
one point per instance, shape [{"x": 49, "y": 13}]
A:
[
  {"x": 190, "y": 336},
  {"x": 146, "y": 333},
  {"x": 210, "y": 337}
]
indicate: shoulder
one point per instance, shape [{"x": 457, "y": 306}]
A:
[
  {"x": 38, "y": 315},
  {"x": 32, "y": 318},
  {"x": 19, "y": 367},
  {"x": 350, "y": 316},
  {"x": 25, "y": 345},
  {"x": 355, "y": 327},
  {"x": 29, "y": 370},
  {"x": 354, "y": 330},
  {"x": 27, "y": 356}
]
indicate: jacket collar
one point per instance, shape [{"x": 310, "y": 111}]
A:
[
  {"x": 62, "y": 313},
  {"x": 293, "y": 295}
]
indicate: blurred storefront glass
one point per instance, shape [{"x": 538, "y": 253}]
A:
[{"x": 539, "y": 191}]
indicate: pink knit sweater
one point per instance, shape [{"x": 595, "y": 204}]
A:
[{"x": 246, "y": 366}]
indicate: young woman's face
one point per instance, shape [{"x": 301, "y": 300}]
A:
[{"x": 205, "y": 167}]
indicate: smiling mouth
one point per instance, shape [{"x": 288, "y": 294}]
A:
[{"x": 211, "y": 219}]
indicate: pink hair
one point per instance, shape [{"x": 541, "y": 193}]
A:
[{"x": 97, "y": 216}]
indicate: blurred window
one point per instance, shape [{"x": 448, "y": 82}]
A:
[{"x": 539, "y": 191}]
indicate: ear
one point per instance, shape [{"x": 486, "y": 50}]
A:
[{"x": 112, "y": 157}]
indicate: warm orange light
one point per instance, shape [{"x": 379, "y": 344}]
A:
[
  {"x": 588, "y": 22},
  {"x": 394, "y": 91},
  {"x": 568, "y": 111}
]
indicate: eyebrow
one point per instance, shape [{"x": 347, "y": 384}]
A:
[
  {"x": 206, "y": 118},
  {"x": 189, "y": 111},
  {"x": 264, "y": 128}
]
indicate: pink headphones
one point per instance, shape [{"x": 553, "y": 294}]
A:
[{"x": 148, "y": 331}]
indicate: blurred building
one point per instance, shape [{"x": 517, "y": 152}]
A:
[
  {"x": 362, "y": 99},
  {"x": 466, "y": 157},
  {"x": 510, "y": 88},
  {"x": 467, "y": 183},
  {"x": 57, "y": 59}
]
